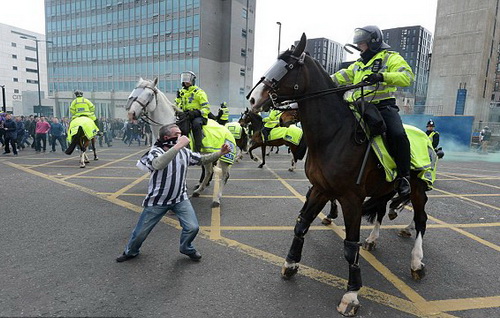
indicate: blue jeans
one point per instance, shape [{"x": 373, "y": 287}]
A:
[{"x": 151, "y": 215}]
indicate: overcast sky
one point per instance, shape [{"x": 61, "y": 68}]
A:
[{"x": 332, "y": 19}]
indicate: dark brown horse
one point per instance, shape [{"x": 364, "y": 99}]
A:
[
  {"x": 255, "y": 120},
  {"x": 333, "y": 163}
]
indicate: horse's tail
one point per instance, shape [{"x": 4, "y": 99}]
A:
[
  {"x": 74, "y": 141},
  {"x": 375, "y": 206}
]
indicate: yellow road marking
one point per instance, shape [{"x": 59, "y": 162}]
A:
[
  {"x": 467, "y": 199},
  {"x": 215, "y": 232},
  {"x": 128, "y": 187},
  {"x": 472, "y": 181},
  {"x": 372, "y": 294}
]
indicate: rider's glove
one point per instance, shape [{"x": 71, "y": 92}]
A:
[
  {"x": 194, "y": 113},
  {"x": 374, "y": 78}
]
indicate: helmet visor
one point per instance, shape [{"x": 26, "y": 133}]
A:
[
  {"x": 186, "y": 77},
  {"x": 361, "y": 35}
]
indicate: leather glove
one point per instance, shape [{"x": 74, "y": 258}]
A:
[
  {"x": 374, "y": 78},
  {"x": 194, "y": 113}
]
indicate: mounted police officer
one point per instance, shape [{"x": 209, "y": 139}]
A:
[
  {"x": 194, "y": 102},
  {"x": 385, "y": 70},
  {"x": 223, "y": 115},
  {"x": 81, "y": 106},
  {"x": 270, "y": 122}
]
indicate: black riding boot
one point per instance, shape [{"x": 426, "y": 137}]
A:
[
  {"x": 265, "y": 133},
  {"x": 198, "y": 136}
]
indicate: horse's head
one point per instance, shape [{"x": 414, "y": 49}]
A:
[
  {"x": 143, "y": 98},
  {"x": 244, "y": 119},
  {"x": 282, "y": 81}
]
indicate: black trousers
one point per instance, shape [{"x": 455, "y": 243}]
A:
[
  {"x": 398, "y": 143},
  {"x": 197, "y": 128}
]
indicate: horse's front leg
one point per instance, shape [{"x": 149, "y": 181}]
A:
[
  {"x": 263, "y": 152},
  {"x": 351, "y": 209},
  {"x": 255, "y": 145},
  {"x": 209, "y": 169},
  {"x": 292, "y": 166},
  {"x": 223, "y": 176},
  {"x": 315, "y": 202}
]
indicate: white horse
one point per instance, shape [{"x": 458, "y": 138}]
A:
[{"x": 148, "y": 102}]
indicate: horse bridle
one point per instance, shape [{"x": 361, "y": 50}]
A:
[
  {"x": 275, "y": 74},
  {"x": 145, "y": 102}
]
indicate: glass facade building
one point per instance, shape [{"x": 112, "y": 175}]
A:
[{"x": 103, "y": 46}]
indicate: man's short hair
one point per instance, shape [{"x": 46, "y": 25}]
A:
[{"x": 167, "y": 130}]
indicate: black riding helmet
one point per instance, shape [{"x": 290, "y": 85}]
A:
[{"x": 372, "y": 36}]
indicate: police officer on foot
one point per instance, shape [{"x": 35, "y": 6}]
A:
[
  {"x": 434, "y": 137},
  {"x": 194, "y": 102},
  {"x": 385, "y": 70}
]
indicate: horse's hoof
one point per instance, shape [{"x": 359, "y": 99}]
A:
[
  {"x": 215, "y": 204},
  {"x": 288, "y": 270},
  {"x": 82, "y": 166},
  {"x": 261, "y": 165},
  {"x": 392, "y": 215},
  {"x": 369, "y": 246},
  {"x": 326, "y": 221},
  {"x": 348, "y": 310},
  {"x": 419, "y": 274},
  {"x": 404, "y": 233},
  {"x": 196, "y": 194},
  {"x": 255, "y": 159},
  {"x": 291, "y": 169},
  {"x": 95, "y": 159}
]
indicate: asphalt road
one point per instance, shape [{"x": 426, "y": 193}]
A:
[{"x": 62, "y": 228}]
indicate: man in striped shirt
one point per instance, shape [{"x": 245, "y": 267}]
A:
[{"x": 168, "y": 161}]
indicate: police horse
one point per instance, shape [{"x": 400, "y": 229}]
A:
[
  {"x": 81, "y": 133},
  {"x": 149, "y": 103},
  {"x": 333, "y": 163},
  {"x": 255, "y": 120}
]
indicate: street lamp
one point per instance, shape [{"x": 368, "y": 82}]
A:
[
  {"x": 3, "y": 98},
  {"x": 37, "y": 69},
  {"x": 279, "y": 37}
]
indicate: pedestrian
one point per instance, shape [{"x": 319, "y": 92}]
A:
[
  {"x": 57, "y": 134},
  {"x": 167, "y": 162},
  {"x": 20, "y": 131},
  {"x": 484, "y": 138},
  {"x": 10, "y": 137},
  {"x": 41, "y": 130}
]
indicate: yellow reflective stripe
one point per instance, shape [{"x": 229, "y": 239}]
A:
[{"x": 344, "y": 75}]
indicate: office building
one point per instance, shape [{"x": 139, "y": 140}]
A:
[
  {"x": 329, "y": 54},
  {"x": 19, "y": 71},
  {"x": 464, "y": 59},
  {"x": 414, "y": 43},
  {"x": 103, "y": 47}
]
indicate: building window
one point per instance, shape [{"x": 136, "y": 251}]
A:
[
  {"x": 242, "y": 91},
  {"x": 244, "y": 33},
  {"x": 31, "y": 81},
  {"x": 14, "y": 56},
  {"x": 30, "y": 59},
  {"x": 242, "y": 71},
  {"x": 30, "y": 48},
  {"x": 13, "y": 44},
  {"x": 15, "y": 79},
  {"x": 14, "y": 68},
  {"x": 31, "y": 70},
  {"x": 243, "y": 53},
  {"x": 16, "y": 91},
  {"x": 244, "y": 13}
]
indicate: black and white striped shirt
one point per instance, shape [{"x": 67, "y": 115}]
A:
[{"x": 168, "y": 186}]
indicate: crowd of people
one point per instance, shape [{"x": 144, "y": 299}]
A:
[{"x": 22, "y": 133}]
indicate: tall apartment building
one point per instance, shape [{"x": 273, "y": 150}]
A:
[
  {"x": 464, "y": 58},
  {"x": 103, "y": 47},
  {"x": 329, "y": 54},
  {"x": 19, "y": 71},
  {"x": 414, "y": 43}
]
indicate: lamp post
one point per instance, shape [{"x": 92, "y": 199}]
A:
[
  {"x": 37, "y": 69},
  {"x": 3, "y": 98},
  {"x": 279, "y": 37}
]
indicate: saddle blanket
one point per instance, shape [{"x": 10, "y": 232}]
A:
[
  {"x": 423, "y": 156},
  {"x": 235, "y": 128},
  {"x": 291, "y": 134},
  {"x": 214, "y": 135},
  {"x": 88, "y": 125}
]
